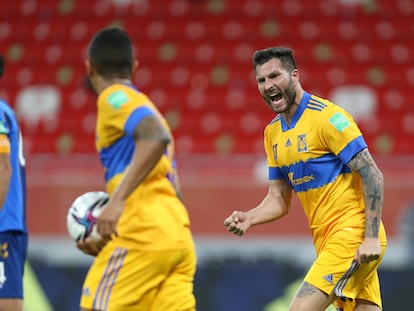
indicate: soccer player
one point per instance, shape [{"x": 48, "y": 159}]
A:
[
  {"x": 13, "y": 229},
  {"x": 148, "y": 262},
  {"x": 314, "y": 148}
]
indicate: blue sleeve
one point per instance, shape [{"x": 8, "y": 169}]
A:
[
  {"x": 275, "y": 173},
  {"x": 136, "y": 116},
  {"x": 355, "y": 146}
]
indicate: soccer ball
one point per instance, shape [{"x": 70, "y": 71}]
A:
[{"x": 82, "y": 214}]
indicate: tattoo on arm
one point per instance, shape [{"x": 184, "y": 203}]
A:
[
  {"x": 373, "y": 188},
  {"x": 151, "y": 128},
  {"x": 307, "y": 290}
]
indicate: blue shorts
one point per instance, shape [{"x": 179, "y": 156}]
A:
[{"x": 13, "y": 251}]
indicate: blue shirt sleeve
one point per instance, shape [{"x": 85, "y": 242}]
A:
[
  {"x": 355, "y": 146},
  {"x": 136, "y": 116},
  {"x": 275, "y": 173}
]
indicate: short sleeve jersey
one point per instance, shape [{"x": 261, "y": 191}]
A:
[
  {"x": 153, "y": 212},
  {"x": 13, "y": 211},
  {"x": 312, "y": 153}
]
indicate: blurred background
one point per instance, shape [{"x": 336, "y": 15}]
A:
[{"x": 195, "y": 63}]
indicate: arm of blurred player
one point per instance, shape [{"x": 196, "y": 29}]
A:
[
  {"x": 275, "y": 205},
  {"x": 151, "y": 139},
  {"x": 5, "y": 168},
  {"x": 373, "y": 188}
]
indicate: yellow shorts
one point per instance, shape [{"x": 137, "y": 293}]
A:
[
  {"x": 336, "y": 270},
  {"x": 127, "y": 279}
]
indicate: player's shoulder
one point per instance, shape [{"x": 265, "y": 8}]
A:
[
  {"x": 323, "y": 107},
  {"x": 118, "y": 95},
  {"x": 6, "y": 109},
  {"x": 4, "y": 105},
  {"x": 273, "y": 122},
  {"x": 276, "y": 119},
  {"x": 316, "y": 103}
]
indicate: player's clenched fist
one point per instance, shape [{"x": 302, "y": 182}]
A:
[{"x": 237, "y": 223}]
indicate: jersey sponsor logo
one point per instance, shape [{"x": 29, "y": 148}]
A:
[
  {"x": 301, "y": 180},
  {"x": 339, "y": 121},
  {"x": 302, "y": 143},
  {"x": 328, "y": 278},
  {"x": 274, "y": 149},
  {"x": 118, "y": 99},
  {"x": 288, "y": 143},
  {"x": 3, "y": 128}
]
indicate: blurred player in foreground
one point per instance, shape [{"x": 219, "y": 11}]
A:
[
  {"x": 13, "y": 229},
  {"x": 315, "y": 148},
  {"x": 146, "y": 257}
]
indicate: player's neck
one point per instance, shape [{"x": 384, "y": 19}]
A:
[
  {"x": 288, "y": 115},
  {"x": 105, "y": 83}
]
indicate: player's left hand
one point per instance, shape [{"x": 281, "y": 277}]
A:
[
  {"x": 368, "y": 251},
  {"x": 91, "y": 247}
]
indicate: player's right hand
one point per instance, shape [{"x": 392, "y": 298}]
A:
[
  {"x": 237, "y": 223},
  {"x": 108, "y": 219}
]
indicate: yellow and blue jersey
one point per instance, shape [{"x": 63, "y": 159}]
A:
[
  {"x": 311, "y": 154},
  {"x": 153, "y": 212}
]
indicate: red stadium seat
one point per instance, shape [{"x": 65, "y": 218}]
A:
[{"x": 195, "y": 61}]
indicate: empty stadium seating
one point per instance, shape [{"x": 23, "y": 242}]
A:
[{"x": 195, "y": 63}]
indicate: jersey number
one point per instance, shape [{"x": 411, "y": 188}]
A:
[{"x": 3, "y": 277}]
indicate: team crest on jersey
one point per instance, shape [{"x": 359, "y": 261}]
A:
[
  {"x": 274, "y": 149},
  {"x": 117, "y": 99},
  {"x": 302, "y": 143}
]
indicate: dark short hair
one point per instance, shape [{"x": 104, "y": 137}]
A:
[
  {"x": 285, "y": 55},
  {"x": 111, "y": 53},
  {"x": 1, "y": 65}
]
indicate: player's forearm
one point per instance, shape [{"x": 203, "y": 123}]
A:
[
  {"x": 3, "y": 193},
  {"x": 146, "y": 156},
  {"x": 5, "y": 175},
  {"x": 270, "y": 209},
  {"x": 373, "y": 190},
  {"x": 373, "y": 187}
]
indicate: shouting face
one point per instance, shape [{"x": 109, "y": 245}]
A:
[{"x": 276, "y": 85}]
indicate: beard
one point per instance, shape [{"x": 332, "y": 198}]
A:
[{"x": 288, "y": 94}]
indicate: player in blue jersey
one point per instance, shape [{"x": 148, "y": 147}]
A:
[
  {"x": 315, "y": 149},
  {"x": 13, "y": 230}
]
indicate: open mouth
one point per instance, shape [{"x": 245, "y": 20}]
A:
[{"x": 275, "y": 97}]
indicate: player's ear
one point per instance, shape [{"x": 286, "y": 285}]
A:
[
  {"x": 134, "y": 66},
  {"x": 89, "y": 68},
  {"x": 295, "y": 74}
]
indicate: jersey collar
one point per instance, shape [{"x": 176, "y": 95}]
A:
[{"x": 298, "y": 113}]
